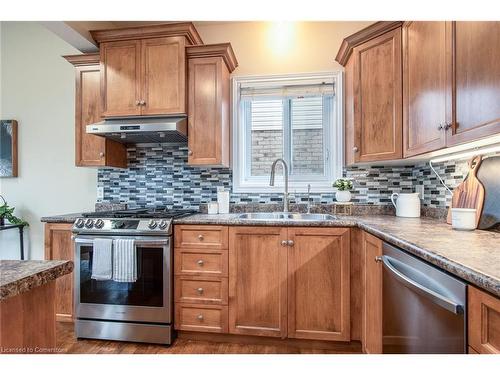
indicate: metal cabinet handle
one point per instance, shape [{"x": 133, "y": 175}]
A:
[
  {"x": 137, "y": 102},
  {"x": 435, "y": 297},
  {"x": 284, "y": 243},
  {"x": 199, "y": 317},
  {"x": 290, "y": 243},
  {"x": 355, "y": 149},
  {"x": 142, "y": 102},
  {"x": 190, "y": 152},
  {"x": 447, "y": 125},
  {"x": 200, "y": 262},
  {"x": 101, "y": 154},
  {"x": 440, "y": 127},
  {"x": 378, "y": 259},
  {"x": 200, "y": 237},
  {"x": 199, "y": 290}
]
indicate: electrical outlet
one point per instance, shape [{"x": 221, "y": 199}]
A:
[
  {"x": 420, "y": 190},
  {"x": 100, "y": 192}
]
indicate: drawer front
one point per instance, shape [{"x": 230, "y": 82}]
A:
[
  {"x": 201, "y": 236},
  {"x": 200, "y": 262},
  {"x": 201, "y": 290},
  {"x": 484, "y": 322},
  {"x": 203, "y": 318}
]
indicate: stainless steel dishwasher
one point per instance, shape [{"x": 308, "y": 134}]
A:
[{"x": 424, "y": 308}]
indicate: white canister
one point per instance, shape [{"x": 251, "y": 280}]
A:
[
  {"x": 343, "y": 196},
  {"x": 223, "y": 201},
  {"x": 407, "y": 204},
  {"x": 213, "y": 208},
  {"x": 463, "y": 218}
]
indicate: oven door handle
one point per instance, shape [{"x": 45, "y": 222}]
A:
[
  {"x": 439, "y": 299},
  {"x": 145, "y": 242}
]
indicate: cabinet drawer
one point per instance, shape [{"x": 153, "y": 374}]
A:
[
  {"x": 484, "y": 322},
  {"x": 204, "y": 318},
  {"x": 201, "y": 262},
  {"x": 201, "y": 290},
  {"x": 201, "y": 236}
]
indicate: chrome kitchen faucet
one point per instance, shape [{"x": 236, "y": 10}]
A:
[{"x": 285, "y": 174}]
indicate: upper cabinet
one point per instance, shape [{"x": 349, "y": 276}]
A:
[
  {"x": 209, "y": 140},
  {"x": 143, "y": 69},
  {"x": 475, "y": 50},
  {"x": 448, "y": 93},
  {"x": 91, "y": 150},
  {"x": 425, "y": 86},
  {"x": 373, "y": 93}
]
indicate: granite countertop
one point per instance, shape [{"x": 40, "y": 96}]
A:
[
  {"x": 65, "y": 218},
  {"x": 20, "y": 276},
  {"x": 473, "y": 256}
]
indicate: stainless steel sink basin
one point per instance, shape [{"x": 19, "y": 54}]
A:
[{"x": 284, "y": 216}]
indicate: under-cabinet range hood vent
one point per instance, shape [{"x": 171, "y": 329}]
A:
[{"x": 142, "y": 130}]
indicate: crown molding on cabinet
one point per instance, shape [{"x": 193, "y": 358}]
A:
[
  {"x": 185, "y": 29},
  {"x": 370, "y": 32},
  {"x": 223, "y": 50},
  {"x": 83, "y": 59}
]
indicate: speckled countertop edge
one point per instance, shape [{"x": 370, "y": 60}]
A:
[{"x": 32, "y": 274}]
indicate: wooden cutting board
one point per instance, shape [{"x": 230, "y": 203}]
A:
[
  {"x": 470, "y": 193},
  {"x": 489, "y": 176}
]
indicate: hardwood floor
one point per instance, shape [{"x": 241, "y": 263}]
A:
[{"x": 67, "y": 343}]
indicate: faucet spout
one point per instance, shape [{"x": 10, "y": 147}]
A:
[{"x": 285, "y": 174}]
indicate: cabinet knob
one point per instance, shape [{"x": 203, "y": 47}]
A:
[
  {"x": 142, "y": 102},
  {"x": 200, "y": 263},
  {"x": 355, "y": 149},
  {"x": 440, "y": 127},
  {"x": 378, "y": 259},
  {"x": 200, "y": 237},
  {"x": 200, "y": 317},
  {"x": 290, "y": 243},
  {"x": 137, "y": 102},
  {"x": 199, "y": 290},
  {"x": 190, "y": 152},
  {"x": 447, "y": 125},
  {"x": 284, "y": 243}
]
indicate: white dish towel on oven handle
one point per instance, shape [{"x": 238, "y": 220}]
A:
[
  {"x": 102, "y": 266},
  {"x": 124, "y": 260}
]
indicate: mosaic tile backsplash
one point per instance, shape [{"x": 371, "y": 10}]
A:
[{"x": 160, "y": 176}]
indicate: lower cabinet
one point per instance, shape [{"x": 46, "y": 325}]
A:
[
  {"x": 372, "y": 295},
  {"x": 59, "y": 246},
  {"x": 484, "y": 322}
]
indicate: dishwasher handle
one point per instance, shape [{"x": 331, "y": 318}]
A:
[{"x": 435, "y": 297}]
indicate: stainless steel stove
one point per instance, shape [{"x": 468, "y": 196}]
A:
[{"x": 137, "y": 310}]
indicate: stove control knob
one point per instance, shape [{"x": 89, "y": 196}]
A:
[
  {"x": 99, "y": 223},
  {"x": 152, "y": 224},
  {"x": 163, "y": 224},
  {"x": 89, "y": 223},
  {"x": 79, "y": 223}
]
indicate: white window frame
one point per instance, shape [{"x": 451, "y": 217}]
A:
[{"x": 334, "y": 138}]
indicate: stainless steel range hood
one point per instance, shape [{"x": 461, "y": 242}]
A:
[{"x": 142, "y": 129}]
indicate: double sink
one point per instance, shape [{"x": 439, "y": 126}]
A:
[{"x": 285, "y": 216}]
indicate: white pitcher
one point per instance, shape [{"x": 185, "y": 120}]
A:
[{"x": 407, "y": 205}]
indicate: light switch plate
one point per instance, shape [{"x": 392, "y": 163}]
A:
[
  {"x": 100, "y": 192},
  {"x": 420, "y": 190}
]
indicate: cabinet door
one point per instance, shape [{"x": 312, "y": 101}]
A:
[
  {"x": 59, "y": 246},
  {"x": 120, "y": 78},
  {"x": 318, "y": 283},
  {"x": 372, "y": 296},
  {"x": 378, "y": 130},
  {"x": 90, "y": 149},
  {"x": 163, "y": 76},
  {"x": 257, "y": 281},
  {"x": 484, "y": 321},
  {"x": 425, "y": 86},
  {"x": 476, "y": 67},
  {"x": 208, "y": 120}
]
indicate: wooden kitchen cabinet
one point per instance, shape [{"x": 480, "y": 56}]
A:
[
  {"x": 372, "y": 295},
  {"x": 144, "y": 69},
  {"x": 92, "y": 150},
  {"x": 318, "y": 283},
  {"x": 258, "y": 281},
  {"x": 476, "y": 81},
  {"x": 209, "y": 95},
  {"x": 59, "y": 246},
  {"x": 484, "y": 322},
  {"x": 373, "y": 93},
  {"x": 426, "y": 74}
]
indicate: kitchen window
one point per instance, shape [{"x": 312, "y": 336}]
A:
[{"x": 294, "y": 117}]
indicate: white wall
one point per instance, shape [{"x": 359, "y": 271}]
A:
[{"x": 37, "y": 90}]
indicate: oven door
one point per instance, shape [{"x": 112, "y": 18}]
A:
[{"x": 149, "y": 299}]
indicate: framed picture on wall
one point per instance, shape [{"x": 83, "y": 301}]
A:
[{"x": 8, "y": 148}]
